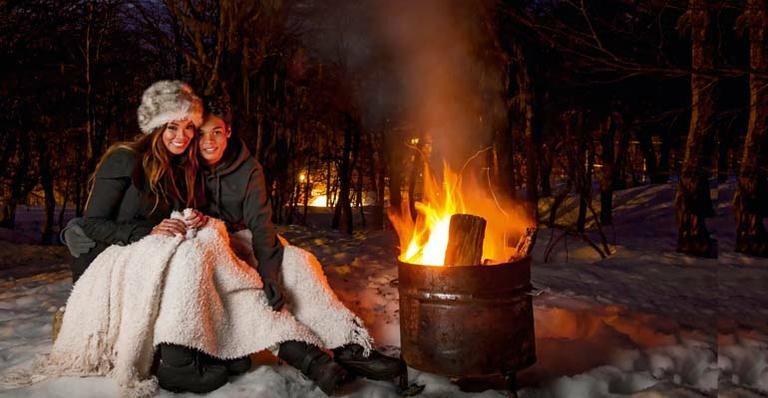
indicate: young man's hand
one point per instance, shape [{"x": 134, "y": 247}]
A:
[{"x": 275, "y": 296}]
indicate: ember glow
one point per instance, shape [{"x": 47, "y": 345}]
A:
[{"x": 425, "y": 240}]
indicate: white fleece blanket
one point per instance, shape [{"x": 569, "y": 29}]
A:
[{"x": 194, "y": 292}]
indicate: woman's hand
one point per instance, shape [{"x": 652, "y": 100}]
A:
[
  {"x": 170, "y": 227},
  {"x": 196, "y": 219}
]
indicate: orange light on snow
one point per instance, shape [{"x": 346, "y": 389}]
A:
[{"x": 425, "y": 240}]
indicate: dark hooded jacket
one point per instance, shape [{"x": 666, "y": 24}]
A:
[
  {"x": 236, "y": 193},
  {"x": 118, "y": 212}
]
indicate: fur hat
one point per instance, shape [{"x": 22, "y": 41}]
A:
[{"x": 166, "y": 101}]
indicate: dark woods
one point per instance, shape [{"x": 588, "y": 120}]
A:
[{"x": 595, "y": 96}]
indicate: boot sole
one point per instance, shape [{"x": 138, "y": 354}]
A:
[
  {"x": 360, "y": 369},
  {"x": 173, "y": 387}
]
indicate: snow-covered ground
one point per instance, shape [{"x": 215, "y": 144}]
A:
[{"x": 644, "y": 322}]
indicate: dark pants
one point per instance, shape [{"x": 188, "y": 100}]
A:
[{"x": 78, "y": 265}]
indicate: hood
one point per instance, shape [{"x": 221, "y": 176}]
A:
[{"x": 236, "y": 154}]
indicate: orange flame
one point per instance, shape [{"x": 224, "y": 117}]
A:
[{"x": 425, "y": 240}]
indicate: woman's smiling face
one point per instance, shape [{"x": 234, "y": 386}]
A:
[
  {"x": 214, "y": 134},
  {"x": 177, "y": 135}
]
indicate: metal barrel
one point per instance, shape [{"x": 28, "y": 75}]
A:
[{"x": 467, "y": 320}]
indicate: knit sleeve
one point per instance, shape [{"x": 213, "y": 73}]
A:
[{"x": 257, "y": 214}]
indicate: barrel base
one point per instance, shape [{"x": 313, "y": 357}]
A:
[{"x": 474, "y": 384}]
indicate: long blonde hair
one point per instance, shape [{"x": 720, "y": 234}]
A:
[{"x": 159, "y": 170}]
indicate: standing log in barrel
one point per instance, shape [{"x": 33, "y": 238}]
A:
[{"x": 465, "y": 240}]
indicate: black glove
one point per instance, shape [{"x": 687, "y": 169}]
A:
[
  {"x": 275, "y": 294},
  {"x": 75, "y": 238}
]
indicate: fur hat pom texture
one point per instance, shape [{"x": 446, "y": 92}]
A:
[{"x": 166, "y": 101}]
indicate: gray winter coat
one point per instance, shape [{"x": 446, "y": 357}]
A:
[{"x": 236, "y": 193}]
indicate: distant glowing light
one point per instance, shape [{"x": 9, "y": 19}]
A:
[
  {"x": 319, "y": 201},
  {"x": 302, "y": 177}
]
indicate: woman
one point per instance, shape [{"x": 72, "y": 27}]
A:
[
  {"x": 137, "y": 184},
  {"x": 135, "y": 187},
  {"x": 234, "y": 184}
]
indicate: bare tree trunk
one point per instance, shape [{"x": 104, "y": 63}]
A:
[
  {"x": 342, "y": 217},
  {"x": 95, "y": 135},
  {"x": 607, "y": 143},
  {"x": 649, "y": 155},
  {"x": 278, "y": 201},
  {"x": 8, "y": 148},
  {"x": 545, "y": 164},
  {"x": 395, "y": 190},
  {"x": 502, "y": 161},
  {"x": 10, "y": 141},
  {"x": 293, "y": 201},
  {"x": 584, "y": 175},
  {"x": 81, "y": 185},
  {"x": 307, "y": 191},
  {"x": 46, "y": 180},
  {"x": 750, "y": 203},
  {"x": 416, "y": 163},
  {"x": 328, "y": 182},
  {"x": 416, "y": 166},
  {"x": 620, "y": 159},
  {"x": 662, "y": 173},
  {"x": 375, "y": 174},
  {"x": 525, "y": 107},
  {"x": 355, "y": 164},
  {"x": 64, "y": 203},
  {"x": 725, "y": 141},
  {"x": 585, "y": 203},
  {"x": 392, "y": 153},
  {"x": 692, "y": 200},
  {"x": 359, "y": 197},
  {"x": 334, "y": 191},
  {"x": 90, "y": 117},
  {"x": 178, "y": 43},
  {"x": 378, "y": 176},
  {"x": 21, "y": 185},
  {"x": 506, "y": 172}
]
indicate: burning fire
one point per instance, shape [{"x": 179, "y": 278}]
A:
[{"x": 425, "y": 240}]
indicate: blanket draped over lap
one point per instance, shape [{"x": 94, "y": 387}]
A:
[{"x": 196, "y": 292}]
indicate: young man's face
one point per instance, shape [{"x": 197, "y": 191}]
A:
[{"x": 214, "y": 134}]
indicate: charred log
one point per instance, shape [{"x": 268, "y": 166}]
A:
[{"x": 465, "y": 240}]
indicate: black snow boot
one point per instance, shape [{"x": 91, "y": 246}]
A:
[
  {"x": 183, "y": 369},
  {"x": 235, "y": 366},
  {"x": 315, "y": 364},
  {"x": 376, "y": 366}
]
